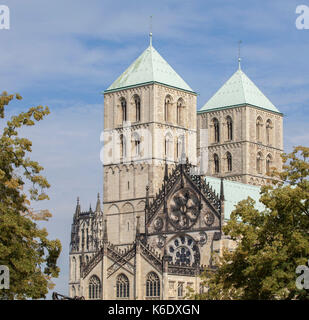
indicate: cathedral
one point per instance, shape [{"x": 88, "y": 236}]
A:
[{"x": 172, "y": 176}]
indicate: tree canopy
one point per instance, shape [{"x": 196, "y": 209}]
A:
[
  {"x": 270, "y": 243},
  {"x": 24, "y": 248}
]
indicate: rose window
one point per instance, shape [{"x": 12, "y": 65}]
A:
[
  {"x": 183, "y": 251},
  {"x": 184, "y": 209}
]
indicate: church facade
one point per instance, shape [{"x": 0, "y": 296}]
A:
[{"x": 172, "y": 176}]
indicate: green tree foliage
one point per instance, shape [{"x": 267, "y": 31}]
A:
[
  {"x": 24, "y": 247},
  {"x": 271, "y": 244}
]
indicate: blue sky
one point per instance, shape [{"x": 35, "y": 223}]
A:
[{"x": 65, "y": 53}]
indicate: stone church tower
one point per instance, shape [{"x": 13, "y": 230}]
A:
[
  {"x": 149, "y": 117},
  {"x": 244, "y": 132},
  {"x": 163, "y": 205}
]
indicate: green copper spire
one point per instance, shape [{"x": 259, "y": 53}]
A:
[
  {"x": 149, "y": 67},
  {"x": 239, "y": 90}
]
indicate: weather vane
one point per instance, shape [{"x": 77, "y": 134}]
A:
[
  {"x": 150, "y": 33},
  {"x": 239, "y": 58}
]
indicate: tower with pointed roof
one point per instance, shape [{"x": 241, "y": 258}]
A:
[
  {"x": 163, "y": 217},
  {"x": 86, "y": 238},
  {"x": 150, "y": 115},
  {"x": 244, "y": 130}
]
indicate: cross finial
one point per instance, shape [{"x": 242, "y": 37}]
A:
[
  {"x": 150, "y": 31},
  {"x": 239, "y": 58}
]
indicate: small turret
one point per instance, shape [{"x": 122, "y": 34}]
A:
[
  {"x": 77, "y": 210},
  {"x": 98, "y": 205}
]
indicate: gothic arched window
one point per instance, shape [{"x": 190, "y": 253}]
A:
[
  {"x": 152, "y": 285},
  {"x": 168, "y": 145},
  {"x": 94, "y": 288},
  {"x": 259, "y": 162},
  {"x": 268, "y": 131},
  {"x": 167, "y": 108},
  {"x": 216, "y": 163},
  {"x": 180, "y": 110},
  {"x": 179, "y": 147},
  {"x": 124, "y": 109},
  {"x": 123, "y": 146},
  {"x": 229, "y": 125},
  {"x": 229, "y": 161},
  {"x": 216, "y": 130},
  {"x": 137, "y": 143},
  {"x": 137, "y": 102},
  {"x": 259, "y": 123},
  {"x": 268, "y": 164},
  {"x": 122, "y": 286}
]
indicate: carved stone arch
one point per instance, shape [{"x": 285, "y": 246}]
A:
[
  {"x": 229, "y": 127},
  {"x": 180, "y": 112},
  {"x": 180, "y": 146},
  {"x": 215, "y": 132},
  {"x": 122, "y": 286},
  {"x": 135, "y": 143},
  {"x": 123, "y": 109},
  {"x": 259, "y": 162},
  {"x": 127, "y": 208},
  {"x": 140, "y": 206},
  {"x": 135, "y": 103},
  {"x": 216, "y": 163},
  {"x": 168, "y": 144},
  {"x": 110, "y": 171},
  {"x": 113, "y": 209},
  {"x": 269, "y": 160},
  {"x": 124, "y": 168},
  {"x": 94, "y": 287},
  {"x": 168, "y": 108},
  {"x": 153, "y": 285},
  {"x": 259, "y": 125},
  {"x": 228, "y": 161},
  {"x": 269, "y": 131}
]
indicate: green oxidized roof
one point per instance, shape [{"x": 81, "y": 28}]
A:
[
  {"x": 239, "y": 90},
  {"x": 235, "y": 192},
  {"x": 149, "y": 67}
]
